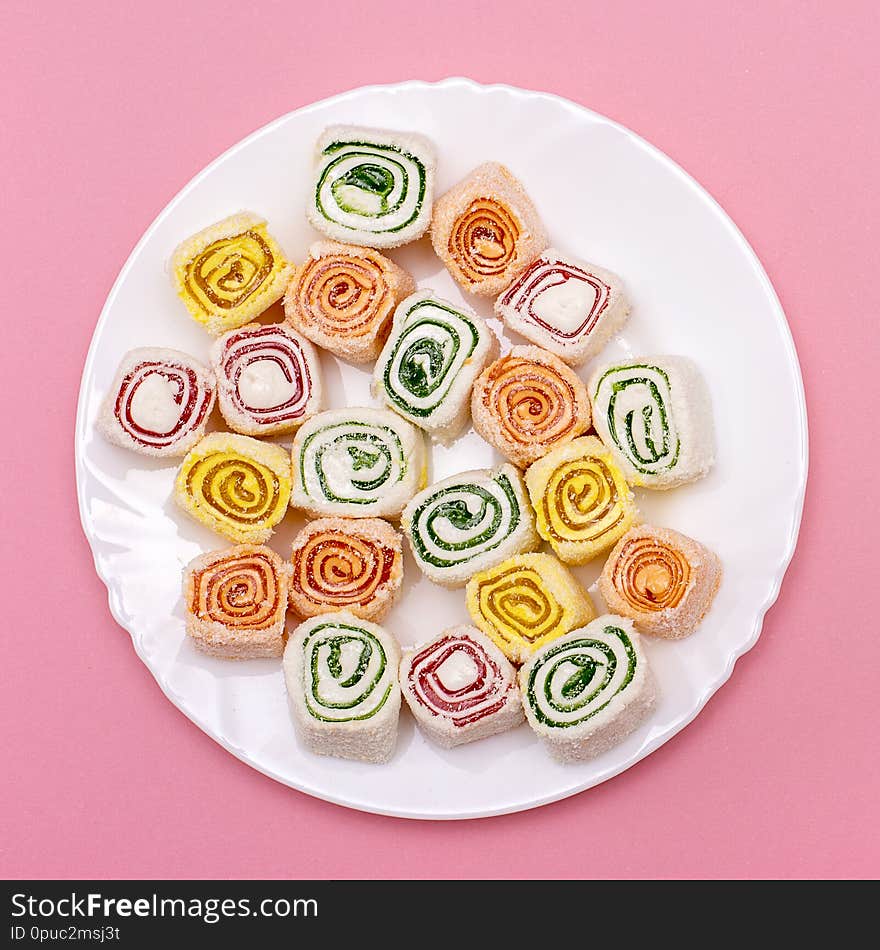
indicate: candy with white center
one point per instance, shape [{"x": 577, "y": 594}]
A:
[
  {"x": 341, "y": 678},
  {"x": 373, "y": 187},
  {"x": 159, "y": 402},
  {"x": 469, "y": 522},
  {"x": 428, "y": 365},
  {"x": 358, "y": 462},
  {"x": 460, "y": 687},
  {"x": 586, "y": 691},
  {"x": 268, "y": 378},
  {"x": 655, "y": 415},
  {"x": 565, "y": 305}
]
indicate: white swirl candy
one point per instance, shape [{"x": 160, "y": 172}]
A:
[
  {"x": 654, "y": 414},
  {"x": 357, "y": 463},
  {"x": 430, "y": 361},
  {"x": 587, "y": 690},
  {"x": 268, "y": 378},
  {"x": 565, "y": 305},
  {"x": 341, "y": 678},
  {"x": 372, "y": 186},
  {"x": 469, "y": 522}
]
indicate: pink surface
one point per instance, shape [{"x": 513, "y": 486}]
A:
[{"x": 108, "y": 109}]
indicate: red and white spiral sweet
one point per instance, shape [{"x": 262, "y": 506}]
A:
[
  {"x": 268, "y": 378},
  {"x": 565, "y": 305},
  {"x": 460, "y": 687},
  {"x": 159, "y": 402}
]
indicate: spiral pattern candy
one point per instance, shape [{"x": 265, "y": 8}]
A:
[
  {"x": 486, "y": 230},
  {"x": 581, "y": 499},
  {"x": 655, "y": 416},
  {"x": 662, "y": 580},
  {"x": 357, "y": 463},
  {"x": 372, "y": 186},
  {"x": 235, "y": 485},
  {"x": 527, "y": 402},
  {"x": 525, "y": 602},
  {"x": 235, "y": 601},
  {"x": 428, "y": 366},
  {"x": 159, "y": 402},
  {"x": 353, "y": 564},
  {"x": 460, "y": 687},
  {"x": 341, "y": 677},
  {"x": 468, "y": 523},
  {"x": 230, "y": 272},
  {"x": 587, "y": 690},
  {"x": 565, "y": 305},
  {"x": 343, "y": 298},
  {"x": 268, "y": 379}
]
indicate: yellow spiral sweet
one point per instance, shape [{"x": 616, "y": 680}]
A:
[
  {"x": 525, "y": 602},
  {"x": 581, "y": 499},
  {"x": 235, "y": 485},
  {"x": 230, "y": 272}
]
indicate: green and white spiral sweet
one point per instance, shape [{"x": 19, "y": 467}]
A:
[
  {"x": 372, "y": 187},
  {"x": 633, "y": 413},
  {"x": 468, "y": 523},
  {"x": 429, "y": 364},
  {"x": 356, "y": 462},
  {"x": 347, "y": 673},
  {"x": 576, "y": 677}
]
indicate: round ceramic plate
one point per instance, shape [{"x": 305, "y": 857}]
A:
[{"x": 697, "y": 289}]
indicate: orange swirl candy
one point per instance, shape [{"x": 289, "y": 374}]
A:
[
  {"x": 343, "y": 298},
  {"x": 527, "y": 402},
  {"x": 662, "y": 580},
  {"x": 346, "y": 564},
  {"x": 230, "y": 272},
  {"x": 582, "y": 501},
  {"x": 486, "y": 230},
  {"x": 236, "y": 601},
  {"x": 236, "y": 485}
]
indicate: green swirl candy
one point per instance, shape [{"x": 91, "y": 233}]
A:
[
  {"x": 430, "y": 345},
  {"x": 372, "y": 187},
  {"x": 577, "y": 677},
  {"x": 637, "y": 412},
  {"x": 347, "y": 675},
  {"x": 468, "y": 522}
]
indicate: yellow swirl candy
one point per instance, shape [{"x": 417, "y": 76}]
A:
[
  {"x": 230, "y": 272},
  {"x": 581, "y": 499},
  {"x": 525, "y": 602},
  {"x": 237, "y": 486}
]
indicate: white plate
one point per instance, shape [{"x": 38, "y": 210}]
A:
[{"x": 698, "y": 289}]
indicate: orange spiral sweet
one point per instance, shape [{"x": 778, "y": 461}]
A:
[
  {"x": 346, "y": 564},
  {"x": 483, "y": 239},
  {"x": 531, "y": 401},
  {"x": 240, "y": 590},
  {"x": 650, "y": 574},
  {"x": 344, "y": 293}
]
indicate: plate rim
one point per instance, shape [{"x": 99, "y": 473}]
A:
[{"x": 472, "y": 86}]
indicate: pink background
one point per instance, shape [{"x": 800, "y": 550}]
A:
[{"x": 108, "y": 109}]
